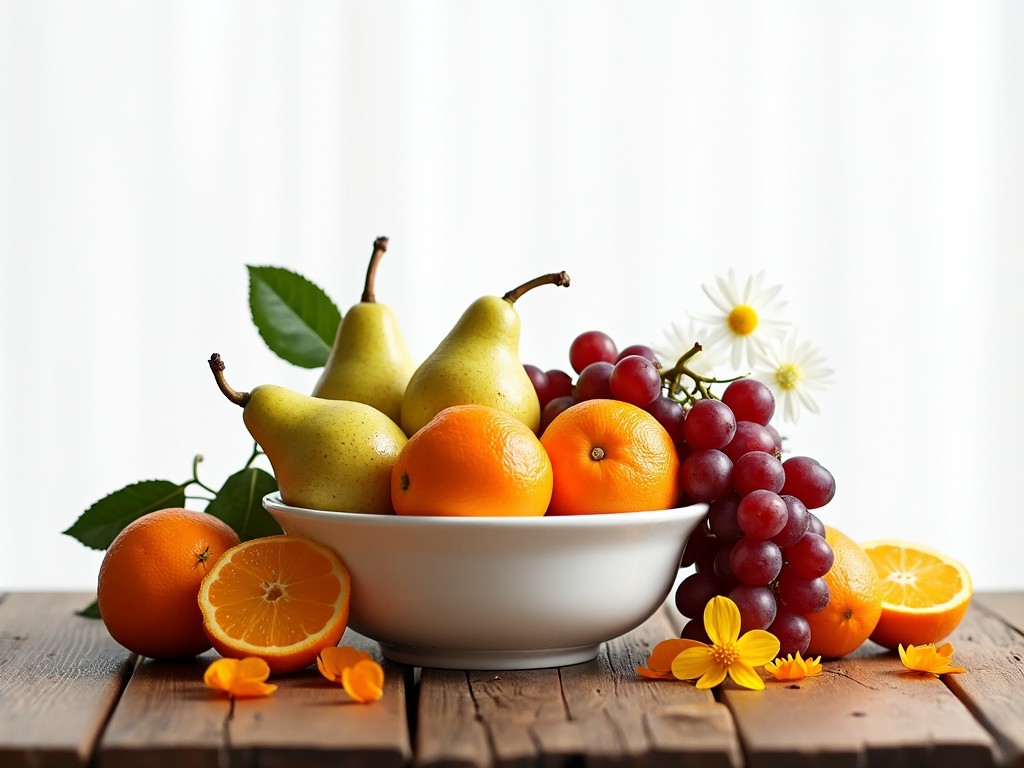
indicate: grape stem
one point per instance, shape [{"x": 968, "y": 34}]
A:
[{"x": 672, "y": 379}]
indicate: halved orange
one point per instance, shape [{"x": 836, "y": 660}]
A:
[
  {"x": 925, "y": 593},
  {"x": 281, "y": 598}
]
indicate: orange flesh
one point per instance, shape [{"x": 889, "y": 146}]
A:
[
  {"x": 275, "y": 596},
  {"x": 915, "y": 579}
]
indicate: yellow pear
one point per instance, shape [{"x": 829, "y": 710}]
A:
[
  {"x": 478, "y": 362},
  {"x": 332, "y": 455},
  {"x": 369, "y": 361}
]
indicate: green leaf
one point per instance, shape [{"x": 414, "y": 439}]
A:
[
  {"x": 239, "y": 503},
  {"x": 100, "y": 523},
  {"x": 296, "y": 319},
  {"x": 91, "y": 611}
]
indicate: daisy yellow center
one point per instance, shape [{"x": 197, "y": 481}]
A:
[
  {"x": 788, "y": 376},
  {"x": 724, "y": 655},
  {"x": 742, "y": 320}
]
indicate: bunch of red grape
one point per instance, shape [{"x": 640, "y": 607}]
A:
[{"x": 759, "y": 543}]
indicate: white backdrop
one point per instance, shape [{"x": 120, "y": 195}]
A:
[{"x": 867, "y": 156}]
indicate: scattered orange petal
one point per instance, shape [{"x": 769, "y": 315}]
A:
[
  {"x": 659, "y": 663},
  {"x": 791, "y": 668},
  {"x": 355, "y": 670},
  {"x": 333, "y": 660},
  {"x": 364, "y": 682},
  {"x": 929, "y": 660},
  {"x": 241, "y": 678}
]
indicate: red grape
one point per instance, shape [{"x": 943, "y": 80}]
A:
[
  {"x": 792, "y": 631},
  {"x": 559, "y": 384},
  {"x": 635, "y": 380},
  {"x": 592, "y": 347},
  {"x": 808, "y": 481},
  {"x": 694, "y": 592},
  {"x": 797, "y": 520},
  {"x": 762, "y": 514},
  {"x": 593, "y": 382},
  {"x": 643, "y": 350},
  {"x": 722, "y": 517},
  {"x": 755, "y": 561},
  {"x": 757, "y": 606},
  {"x": 709, "y": 424},
  {"x": 750, "y": 400},
  {"x": 810, "y": 557},
  {"x": 757, "y": 470},
  {"x": 749, "y": 436},
  {"x": 553, "y": 408},
  {"x": 706, "y": 475},
  {"x": 670, "y": 414}
]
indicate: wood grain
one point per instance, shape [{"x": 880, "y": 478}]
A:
[
  {"x": 862, "y": 710},
  {"x": 60, "y": 677},
  {"x": 167, "y": 717},
  {"x": 993, "y": 686},
  {"x": 600, "y": 711},
  {"x": 311, "y": 722}
]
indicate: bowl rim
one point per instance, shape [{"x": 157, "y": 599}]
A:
[{"x": 609, "y": 519}]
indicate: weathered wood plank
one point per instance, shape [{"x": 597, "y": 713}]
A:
[
  {"x": 167, "y": 717},
  {"x": 600, "y": 712},
  {"x": 1007, "y": 605},
  {"x": 864, "y": 710},
  {"x": 653, "y": 721},
  {"x": 311, "y": 722},
  {"x": 993, "y": 686},
  {"x": 60, "y": 676}
]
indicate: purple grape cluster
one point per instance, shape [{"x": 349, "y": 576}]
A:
[{"x": 759, "y": 543}]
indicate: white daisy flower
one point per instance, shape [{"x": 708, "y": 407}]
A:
[
  {"x": 791, "y": 369},
  {"x": 748, "y": 321},
  {"x": 678, "y": 341}
]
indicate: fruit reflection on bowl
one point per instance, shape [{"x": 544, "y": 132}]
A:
[{"x": 499, "y": 592}]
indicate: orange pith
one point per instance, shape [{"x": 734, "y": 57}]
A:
[
  {"x": 854, "y": 605},
  {"x": 150, "y": 576},
  {"x": 472, "y": 460},
  {"x": 610, "y": 456},
  {"x": 282, "y": 598},
  {"x": 925, "y": 594}
]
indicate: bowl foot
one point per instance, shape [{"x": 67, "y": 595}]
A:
[{"x": 498, "y": 659}]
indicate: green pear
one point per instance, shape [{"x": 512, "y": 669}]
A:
[
  {"x": 478, "y": 362},
  {"x": 369, "y": 362},
  {"x": 326, "y": 454}
]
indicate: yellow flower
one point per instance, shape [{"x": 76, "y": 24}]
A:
[
  {"x": 793, "y": 668},
  {"x": 729, "y": 654},
  {"x": 928, "y": 658},
  {"x": 357, "y": 672},
  {"x": 241, "y": 678}
]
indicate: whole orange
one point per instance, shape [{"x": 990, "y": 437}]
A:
[
  {"x": 149, "y": 581},
  {"x": 610, "y": 456},
  {"x": 854, "y": 603},
  {"x": 472, "y": 460}
]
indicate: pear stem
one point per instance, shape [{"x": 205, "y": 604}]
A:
[
  {"x": 560, "y": 279},
  {"x": 380, "y": 246},
  {"x": 217, "y": 366}
]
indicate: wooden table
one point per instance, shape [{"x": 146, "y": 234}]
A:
[{"x": 70, "y": 696}]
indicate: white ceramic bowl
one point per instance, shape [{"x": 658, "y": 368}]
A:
[{"x": 499, "y": 592}]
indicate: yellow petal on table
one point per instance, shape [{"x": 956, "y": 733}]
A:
[
  {"x": 745, "y": 675},
  {"x": 693, "y": 662}
]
